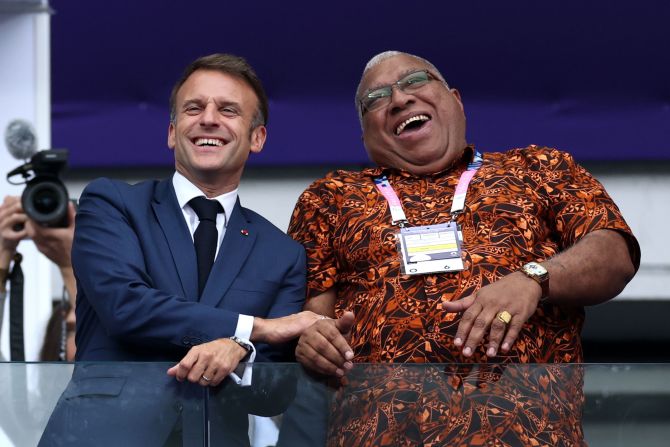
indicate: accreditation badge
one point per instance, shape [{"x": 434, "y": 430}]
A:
[{"x": 430, "y": 249}]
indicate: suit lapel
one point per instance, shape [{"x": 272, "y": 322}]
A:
[
  {"x": 235, "y": 248},
  {"x": 171, "y": 220}
]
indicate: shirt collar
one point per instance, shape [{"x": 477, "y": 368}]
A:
[{"x": 186, "y": 190}]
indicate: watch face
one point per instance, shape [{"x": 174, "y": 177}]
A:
[{"x": 535, "y": 269}]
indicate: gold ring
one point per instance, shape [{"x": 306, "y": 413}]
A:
[
  {"x": 505, "y": 317},
  {"x": 205, "y": 378}
]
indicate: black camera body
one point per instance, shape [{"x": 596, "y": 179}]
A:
[{"x": 45, "y": 199}]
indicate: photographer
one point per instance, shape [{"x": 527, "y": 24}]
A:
[{"x": 54, "y": 243}]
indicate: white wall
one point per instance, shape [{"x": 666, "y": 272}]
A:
[
  {"x": 643, "y": 200},
  {"x": 25, "y": 94}
]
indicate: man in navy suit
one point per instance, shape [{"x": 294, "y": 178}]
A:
[{"x": 138, "y": 278}]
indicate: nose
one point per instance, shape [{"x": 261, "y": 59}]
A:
[
  {"x": 399, "y": 99},
  {"x": 208, "y": 117}
]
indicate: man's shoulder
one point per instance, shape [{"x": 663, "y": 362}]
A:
[
  {"x": 529, "y": 155},
  {"x": 106, "y": 186}
]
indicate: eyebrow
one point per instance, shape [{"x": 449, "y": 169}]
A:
[{"x": 402, "y": 75}]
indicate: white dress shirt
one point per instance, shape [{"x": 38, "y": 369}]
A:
[{"x": 186, "y": 191}]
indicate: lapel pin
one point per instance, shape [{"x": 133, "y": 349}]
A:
[{"x": 244, "y": 232}]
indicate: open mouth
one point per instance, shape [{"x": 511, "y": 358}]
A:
[
  {"x": 412, "y": 123},
  {"x": 208, "y": 142}
]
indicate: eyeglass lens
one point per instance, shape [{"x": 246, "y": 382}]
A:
[{"x": 381, "y": 97}]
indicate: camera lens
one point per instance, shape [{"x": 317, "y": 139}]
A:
[{"x": 45, "y": 201}]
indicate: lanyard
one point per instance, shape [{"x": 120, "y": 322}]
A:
[{"x": 398, "y": 215}]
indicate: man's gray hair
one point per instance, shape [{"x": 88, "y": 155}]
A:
[{"x": 379, "y": 58}]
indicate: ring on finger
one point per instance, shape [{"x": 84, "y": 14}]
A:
[
  {"x": 205, "y": 378},
  {"x": 504, "y": 316}
]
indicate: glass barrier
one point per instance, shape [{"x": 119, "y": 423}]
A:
[{"x": 128, "y": 404}]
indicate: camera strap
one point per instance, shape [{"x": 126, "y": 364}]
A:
[{"x": 16, "y": 345}]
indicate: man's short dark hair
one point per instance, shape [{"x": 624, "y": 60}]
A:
[{"x": 231, "y": 65}]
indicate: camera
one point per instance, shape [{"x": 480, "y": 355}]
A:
[{"x": 45, "y": 198}]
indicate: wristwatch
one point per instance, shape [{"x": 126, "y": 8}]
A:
[
  {"x": 245, "y": 344},
  {"x": 540, "y": 275}
]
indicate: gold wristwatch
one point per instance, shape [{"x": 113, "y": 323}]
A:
[{"x": 540, "y": 275}]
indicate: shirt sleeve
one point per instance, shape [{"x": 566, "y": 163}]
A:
[
  {"x": 313, "y": 224},
  {"x": 577, "y": 203}
]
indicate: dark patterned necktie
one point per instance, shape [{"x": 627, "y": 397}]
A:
[{"x": 205, "y": 237}]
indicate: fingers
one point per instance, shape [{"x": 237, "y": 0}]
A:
[
  {"x": 498, "y": 328},
  {"x": 471, "y": 329},
  {"x": 497, "y": 311},
  {"x": 181, "y": 370},
  {"x": 475, "y": 323},
  {"x": 9, "y": 201},
  {"x": 512, "y": 334},
  {"x": 54, "y": 243},
  {"x": 458, "y": 305},
  {"x": 210, "y": 363},
  {"x": 324, "y": 349},
  {"x": 12, "y": 226},
  {"x": 345, "y": 323}
]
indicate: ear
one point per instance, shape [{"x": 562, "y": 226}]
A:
[
  {"x": 171, "y": 137},
  {"x": 258, "y": 136},
  {"x": 457, "y": 95}
]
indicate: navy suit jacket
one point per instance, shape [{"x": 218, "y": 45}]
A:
[
  {"x": 136, "y": 271},
  {"x": 137, "y": 300}
]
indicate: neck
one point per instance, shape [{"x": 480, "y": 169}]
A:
[
  {"x": 440, "y": 166},
  {"x": 214, "y": 185}
]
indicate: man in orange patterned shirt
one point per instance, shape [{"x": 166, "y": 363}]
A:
[{"x": 539, "y": 238}]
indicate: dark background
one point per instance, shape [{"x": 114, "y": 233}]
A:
[{"x": 592, "y": 78}]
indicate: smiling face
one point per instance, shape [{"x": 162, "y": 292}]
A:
[
  {"x": 211, "y": 134},
  {"x": 421, "y": 131}
]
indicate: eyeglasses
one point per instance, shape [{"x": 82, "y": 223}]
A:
[{"x": 381, "y": 97}]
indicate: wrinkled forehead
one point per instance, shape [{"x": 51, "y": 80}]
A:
[{"x": 389, "y": 71}]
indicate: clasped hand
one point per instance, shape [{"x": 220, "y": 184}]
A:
[
  {"x": 324, "y": 346},
  {"x": 209, "y": 363}
]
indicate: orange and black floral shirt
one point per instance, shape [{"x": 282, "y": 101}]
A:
[{"x": 522, "y": 205}]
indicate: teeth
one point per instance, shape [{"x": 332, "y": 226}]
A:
[
  {"x": 208, "y": 142},
  {"x": 404, "y": 124}
]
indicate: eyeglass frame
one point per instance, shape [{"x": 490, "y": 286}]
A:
[{"x": 401, "y": 83}]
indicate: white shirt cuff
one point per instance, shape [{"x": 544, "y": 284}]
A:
[
  {"x": 245, "y": 324},
  {"x": 242, "y": 374}
]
